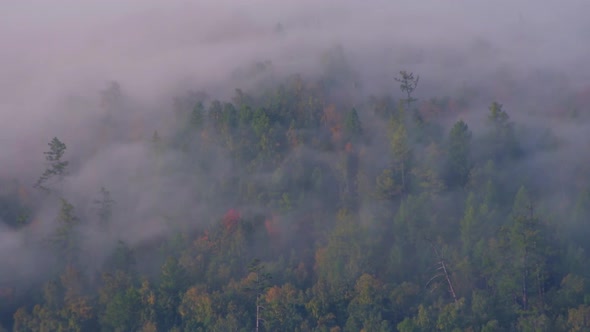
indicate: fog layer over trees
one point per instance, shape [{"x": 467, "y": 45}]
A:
[{"x": 294, "y": 166}]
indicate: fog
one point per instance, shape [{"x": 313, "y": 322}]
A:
[{"x": 57, "y": 56}]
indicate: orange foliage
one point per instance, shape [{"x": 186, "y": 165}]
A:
[
  {"x": 292, "y": 137},
  {"x": 330, "y": 116},
  {"x": 301, "y": 272},
  {"x": 273, "y": 294},
  {"x": 336, "y": 133},
  {"x": 333, "y": 121},
  {"x": 281, "y": 295},
  {"x": 81, "y": 307},
  {"x": 429, "y": 110},
  {"x": 205, "y": 135}
]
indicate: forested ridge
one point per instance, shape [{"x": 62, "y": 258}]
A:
[{"x": 298, "y": 206}]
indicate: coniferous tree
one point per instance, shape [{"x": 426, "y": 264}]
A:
[
  {"x": 459, "y": 155},
  {"x": 57, "y": 168},
  {"x": 352, "y": 125},
  {"x": 503, "y": 141},
  {"x": 66, "y": 239},
  {"x": 401, "y": 151},
  {"x": 104, "y": 207}
]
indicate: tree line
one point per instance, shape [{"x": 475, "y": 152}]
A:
[{"x": 373, "y": 216}]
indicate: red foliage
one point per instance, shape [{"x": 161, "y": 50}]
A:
[
  {"x": 271, "y": 226},
  {"x": 204, "y": 238},
  {"x": 230, "y": 219},
  {"x": 204, "y": 241},
  {"x": 348, "y": 147},
  {"x": 428, "y": 110},
  {"x": 332, "y": 119}
]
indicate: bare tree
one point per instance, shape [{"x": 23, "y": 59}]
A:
[
  {"x": 259, "y": 286},
  {"x": 442, "y": 271},
  {"x": 408, "y": 84}
]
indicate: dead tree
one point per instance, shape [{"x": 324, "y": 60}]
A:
[
  {"x": 260, "y": 285},
  {"x": 442, "y": 271},
  {"x": 408, "y": 83}
]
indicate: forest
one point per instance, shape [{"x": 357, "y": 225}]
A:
[
  {"x": 294, "y": 166},
  {"x": 297, "y": 207}
]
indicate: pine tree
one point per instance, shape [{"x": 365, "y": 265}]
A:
[
  {"x": 402, "y": 152},
  {"x": 57, "y": 167},
  {"x": 527, "y": 249},
  {"x": 502, "y": 139},
  {"x": 66, "y": 238},
  {"x": 105, "y": 207},
  {"x": 459, "y": 155},
  {"x": 352, "y": 125},
  {"x": 197, "y": 118}
]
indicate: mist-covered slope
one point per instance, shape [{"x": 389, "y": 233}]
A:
[{"x": 394, "y": 166}]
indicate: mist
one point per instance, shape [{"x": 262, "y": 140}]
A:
[{"x": 59, "y": 59}]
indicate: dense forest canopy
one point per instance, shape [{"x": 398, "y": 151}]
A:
[{"x": 337, "y": 184}]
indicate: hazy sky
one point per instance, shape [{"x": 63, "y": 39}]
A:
[
  {"x": 150, "y": 43},
  {"x": 54, "y": 49}
]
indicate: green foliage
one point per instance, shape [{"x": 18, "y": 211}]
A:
[
  {"x": 122, "y": 312},
  {"x": 196, "y": 310},
  {"x": 66, "y": 239},
  {"x": 282, "y": 308},
  {"x": 386, "y": 188},
  {"x": 13, "y": 211},
  {"x": 337, "y": 71},
  {"x": 459, "y": 154},
  {"x": 197, "y": 119},
  {"x": 352, "y": 125},
  {"x": 173, "y": 283},
  {"x": 367, "y": 307},
  {"x": 343, "y": 214},
  {"x": 401, "y": 151},
  {"x": 259, "y": 278},
  {"x": 502, "y": 138},
  {"x": 122, "y": 259}
]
